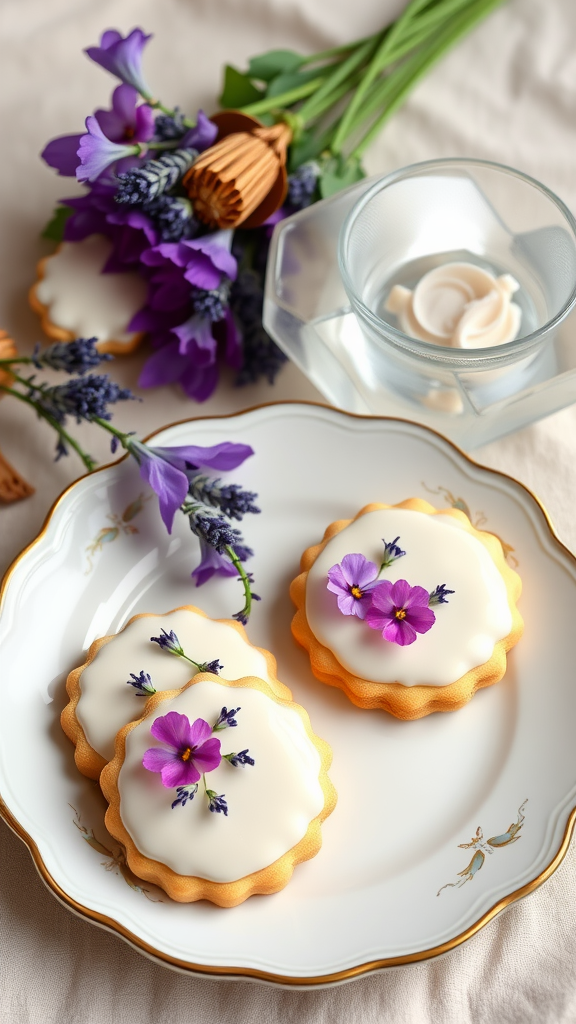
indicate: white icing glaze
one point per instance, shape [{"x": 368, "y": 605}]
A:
[
  {"x": 438, "y": 550},
  {"x": 82, "y": 300},
  {"x": 106, "y": 701},
  {"x": 458, "y": 305},
  {"x": 270, "y": 805}
]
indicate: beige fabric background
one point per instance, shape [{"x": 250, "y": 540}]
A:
[{"x": 508, "y": 93}]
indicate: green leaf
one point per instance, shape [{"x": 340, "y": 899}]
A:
[
  {"x": 290, "y": 80},
  {"x": 238, "y": 90},
  {"x": 268, "y": 65},
  {"x": 339, "y": 174},
  {"x": 54, "y": 230},
  {"x": 308, "y": 147}
]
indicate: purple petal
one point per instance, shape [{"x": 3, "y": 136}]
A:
[
  {"x": 223, "y": 456},
  {"x": 169, "y": 483},
  {"x": 382, "y": 597},
  {"x": 126, "y": 122},
  {"x": 358, "y": 570},
  {"x": 124, "y": 100},
  {"x": 122, "y": 56},
  {"x": 109, "y": 37},
  {"x": 196, "y": 339},
  {"x": 122, "y": 116},
  {"x": 62, "y": 154},
  {"x": 363, "y": 604},
  {"x": 201, "y": 272},
  {"x": 132, "y": 218},
  {"x": 173, "y": 294},
  {"x": 204, "y": 258},
  {"x": 160, "y": 253},
  {"x": 418, "y": 597},
  {"x": 156, "y": 758},
  {"x": 200, "y": 731},
  {"x": 173, "y": 729},
  {"x": 144, "y": 123},
  {"x": 378, "y": 619},
  {"x": 127, "y": 245},
  {"x": 399, "y": 632},
  {"x": 348, "y": 604},
  {"x": 96, "y": 152},
  {"x": 337, "y": 582},
  {"x": 400, "y": 593},
  {"x": 199, "y": 382},
  {"x": 202, "y": 135},
  {"x": 84, "y": 223},
  {"x": 211, "y": 564},
  {"x": 422, "y": 619},
  {"x": 158, "y": 323},
  {"x": 180, "y": 773},
  {"x": 112, "y": 126},
  {"x": 163, "y": 367},
  {"x": 208, "y": 756}
]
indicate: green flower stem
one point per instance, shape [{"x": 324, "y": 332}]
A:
[
  {"x": 157, "y": 105},
  {"x": 15, "y": 359},
  {"x": 201, "y": 668},
  {"x": 335, "y": 51},
  {"x": 335, "y": 97},
  {"x": 373, "y": 103},
  {"x": 431, "y": 19},
  {"x": 285, "y": 99},
  {"x": 457, "y": 27},
  {"x": 339, "y": 75},
  {"x": 386, "y": 90},
  {"x": 111, "y": 430},
  {"x": 378, "y": 62},
  {"x": 88, "y": 461},
  {"x": 245, "y": 581},
  {"x": 172, "y": 144},
  {"x": 421, "y": 28}
]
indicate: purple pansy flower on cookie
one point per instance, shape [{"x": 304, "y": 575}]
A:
[
  {"x": 400, "y": 611},
  {"x": 190, "y": 750},
  {"x": 353, "y": 580}
]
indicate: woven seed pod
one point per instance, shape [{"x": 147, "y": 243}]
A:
[{"x": 241, "y": 179}]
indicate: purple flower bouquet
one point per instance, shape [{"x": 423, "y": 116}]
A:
[{"x": 190, "y": 203}]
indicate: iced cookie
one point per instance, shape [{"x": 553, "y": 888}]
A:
[
  {"x": 214, "y": 801},
  {"x": 74, "y": 299},
  {"x": 121, "y": 671},
  {"x": 407, "y": 608}
]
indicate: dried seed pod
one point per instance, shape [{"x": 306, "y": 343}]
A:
[{"x": 241, "y": 179}]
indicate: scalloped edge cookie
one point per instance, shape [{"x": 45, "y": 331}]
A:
[
  {"x": 190, "y": 888},
  {"x": 88, "y": 761},
  {"x": 406, "y": 702},
  {"x": 113, "y": 346}
]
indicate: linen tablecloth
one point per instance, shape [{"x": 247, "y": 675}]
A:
[{"x": 507, "y": 93}]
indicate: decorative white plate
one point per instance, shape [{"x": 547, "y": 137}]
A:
[{"x": 440, "y": 823}]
